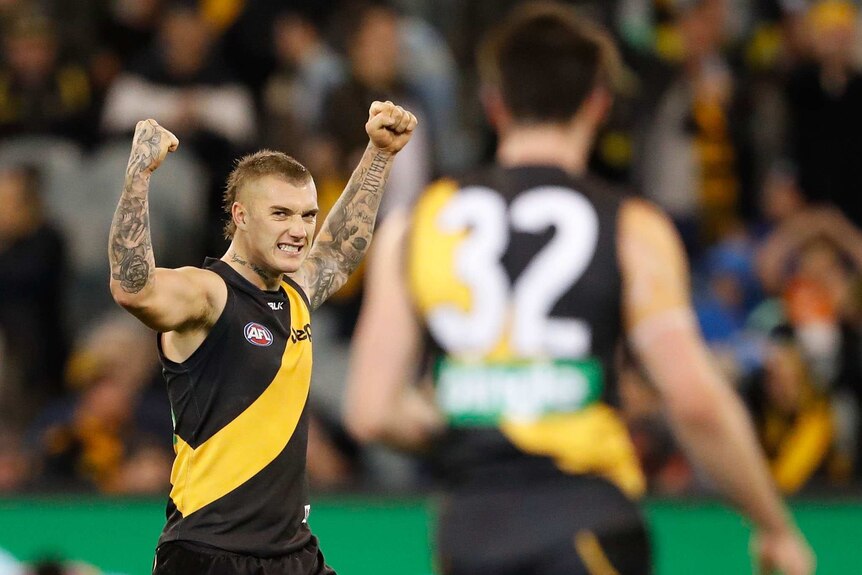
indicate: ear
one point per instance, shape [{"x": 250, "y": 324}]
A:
[
  {"x": 240, "y": 215},
  {"x": 597, "y": 106},
  {"x": 495, "y": 108}
]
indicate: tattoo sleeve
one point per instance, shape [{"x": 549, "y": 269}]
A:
[
  {"x": 130, "y": 250},
  {"x": 346, "y": 233}
]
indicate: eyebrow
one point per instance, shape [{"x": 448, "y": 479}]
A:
[{"x": 277, "y": 208}]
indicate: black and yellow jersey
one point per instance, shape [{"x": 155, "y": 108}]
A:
[
  {"x": 514, "y": 273},
  {"x": 240, "y": 424}
]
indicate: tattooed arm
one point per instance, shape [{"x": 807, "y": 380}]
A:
[
  {"x": 346, "y": 233},
  {"x": 163, "y": 299}
]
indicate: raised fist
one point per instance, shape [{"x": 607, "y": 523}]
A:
[
  {"x": 389, "y": 126},
  {"x": 150, "y": 145}
]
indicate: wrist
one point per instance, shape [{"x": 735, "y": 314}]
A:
[
  {"x": 382, "y": 153},
  {"x": 777, "y": 526},
  {"x": 140, "y": 174}
]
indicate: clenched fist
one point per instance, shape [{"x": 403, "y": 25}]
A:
[
  {"x": 150, "y": 145},
  {"x": 389, "y": 126}
]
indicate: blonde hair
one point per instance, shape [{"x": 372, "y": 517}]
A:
[{"x": 254, "y": 166}]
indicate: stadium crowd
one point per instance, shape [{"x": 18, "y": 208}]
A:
[{"x": 741, "y": 118}]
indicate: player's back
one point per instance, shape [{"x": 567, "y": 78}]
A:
[{"x": 514, "y": 272}]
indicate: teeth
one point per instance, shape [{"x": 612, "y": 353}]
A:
[{"x": 289, "y": 249}]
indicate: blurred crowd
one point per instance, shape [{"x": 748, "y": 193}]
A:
[{"x": 741, "y": 118}]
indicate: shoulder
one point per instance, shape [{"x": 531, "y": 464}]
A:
[
  {"x": 652, "y": 261},
  {"x": 201, "y": 275},
  {"x": 649, "y": 246},
  {"x": 204, "y": 282},
  {"x": 432, "y": 199},
  {"x": 643, "y": 220}
]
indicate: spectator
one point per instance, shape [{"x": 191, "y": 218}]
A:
[
  {"x": 124, "y": 29},
  {"x": 811, "y": 261},
  {"x": 787, "y": 243},
  {"x": 427, "y": 66},
  {"x": 308, "y": 70},
  {"x": 796, "y": 418},
  {"x": 825, "y": 98},
  {"x": 40, "y": 93},
  {"x": 248, "y": 36},
  {"x": 102, "y": 437},
  {"x": 185, "y": 84},
  {"x": 33, "y": 267},
  {"x": 127, "y": 27},
  {"x": 182, "y": 80},
  {"x": 373, "y": 48},
  {"x": 693, "y": 167}
]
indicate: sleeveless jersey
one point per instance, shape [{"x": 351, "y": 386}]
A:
[
  {"x": 240, "y": 424},
  {"x": 514, "y": 273}
]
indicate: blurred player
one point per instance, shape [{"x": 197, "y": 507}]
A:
[
  {"x": 523, "y": 278},
  {"x": 235, "y": 344}
]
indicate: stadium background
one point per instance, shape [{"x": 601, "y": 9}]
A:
[{"x": 742, "y": 118}]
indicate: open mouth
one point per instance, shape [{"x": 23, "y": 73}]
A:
[{"x": 289, "y": 248}]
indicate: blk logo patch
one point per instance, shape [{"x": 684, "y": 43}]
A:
[{"x": 257, "y": 334}]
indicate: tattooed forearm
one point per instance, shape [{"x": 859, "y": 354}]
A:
[
  {"x": 131, "y": 251},
  {"x": 269, "y": 278},
  {"x": 346, "y": 234},
  {"x": 130, "y": 248}
]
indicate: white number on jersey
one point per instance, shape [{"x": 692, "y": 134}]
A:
[{"x": 482, "y": 214}]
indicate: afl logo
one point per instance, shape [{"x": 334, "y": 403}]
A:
[{"x": 257, "y": 334}]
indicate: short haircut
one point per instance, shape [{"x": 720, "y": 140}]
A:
[
  {"x": 545, "y": 60},
  {"x": 254, "y": 166}
]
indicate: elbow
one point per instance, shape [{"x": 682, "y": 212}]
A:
[
  {"x": 121, "y": 297},
  {"x": 693, "y": 415},
  {"x": 132, "y": 302},
  {"x": 364, "y": 427},
  {"x": 701, "y": 410}
]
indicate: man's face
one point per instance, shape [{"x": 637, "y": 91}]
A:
[
  {"x": 31, "y": 57},
  {"x": 277, "y": 222}
]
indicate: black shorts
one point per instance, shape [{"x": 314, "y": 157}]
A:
[
  {"x": 184, "y": 558},
  {"x": 586, "y": 527}
]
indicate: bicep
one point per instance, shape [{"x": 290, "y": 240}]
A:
[
  {"x": 180, "y": 299},
  {"x": 660, "y": 322}
]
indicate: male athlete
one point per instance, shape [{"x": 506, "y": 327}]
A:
[
  {"x": 235, "y": 344},
  {"x": 523, "y": 278}
]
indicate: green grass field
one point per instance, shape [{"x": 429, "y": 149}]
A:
[{"x": 379, "y": 536}]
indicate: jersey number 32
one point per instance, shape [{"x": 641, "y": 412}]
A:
[{"x": 523, "y": 306}]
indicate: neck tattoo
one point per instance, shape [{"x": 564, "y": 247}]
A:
[{"x": 255, "y": 268}]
